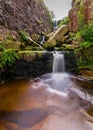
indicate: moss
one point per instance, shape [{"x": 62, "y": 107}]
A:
[
  {"x": 69, "y": 47},
  {"x": 30, "y": 55},
  {"x": 59, "y": 48},
  {"x": 50, "y": 45}
]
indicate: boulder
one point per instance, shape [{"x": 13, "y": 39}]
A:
[{"x": 58, "y": 37}]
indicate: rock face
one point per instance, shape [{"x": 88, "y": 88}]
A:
[
  {"x": 29, "y": 15},
  {"x": 81, "y": 12}
]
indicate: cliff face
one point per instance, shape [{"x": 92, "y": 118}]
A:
[
  {"x": 81, "y": 12},
  {"x": 29, "y": 15}
]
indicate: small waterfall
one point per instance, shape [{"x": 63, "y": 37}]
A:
[
  {"x": 58, "y": 62},
  {"x": 55, "y": 25},
  {"x": 42, "y": 39}
]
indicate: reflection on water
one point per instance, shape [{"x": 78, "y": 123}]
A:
[{"x": 50, "y": 102}]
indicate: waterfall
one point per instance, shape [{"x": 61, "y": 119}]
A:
[
  {"x": 58, "y": 62},
  {"x": 42, "y": 39},
  {"x": 55, "y": 24}
]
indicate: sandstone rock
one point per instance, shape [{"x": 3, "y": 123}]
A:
[
  {"x": 73, "y": 20},
  {"x": 86, "y": 73},
  {"x": 29, "y": 15},
  {"x": 85, "y": 7},
  {"x": 58, "y": 35},
  {"x": 63, "y": 30}
]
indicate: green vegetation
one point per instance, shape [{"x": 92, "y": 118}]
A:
[
  {"x": 49, "y": 45},
  {"x": 63, "y": 21},
  {"x": 81, "y": 17},
  {"x": 23, "y": 35},
  {"x": 8, "y": 57},
  {"x": 87, "y": 33},
  {"x": 84, "y": 51},
  {"x": 8, "y": 51}
]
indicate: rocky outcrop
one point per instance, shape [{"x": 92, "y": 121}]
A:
[
  {"x": 29, "y": 15},
  {"x": 57, "y": 38},
  {"x": 81, "y": 13}
]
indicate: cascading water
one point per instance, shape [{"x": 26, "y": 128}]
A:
[
  {"x": 42, "y": 40},
  {"x": 58, "y": 62},
  {"x": 55, "y": 25}
]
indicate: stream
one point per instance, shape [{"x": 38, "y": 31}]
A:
[{"x": 55, "y": 101}]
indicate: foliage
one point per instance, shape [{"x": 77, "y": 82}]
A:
[
  {"x": 84, "y": 51},
  {"x": 2, "y": 46},
  {"x": 63, "y": 21},
  {"x": 75, "y": 36},
  {"x": 81, "y": 17},
  {"x": 9, "y": 37},
  {"x": 23, "y": 35},
  {"x": 87, "y": 33},
  {"x": 8, "y": 57},
  {"x": 85, "y": 59}
]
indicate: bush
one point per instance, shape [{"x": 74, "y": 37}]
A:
[
  {"x": 87, "y": 33},
  {"x": 84, "y": 52}
]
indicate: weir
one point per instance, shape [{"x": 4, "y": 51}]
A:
[{"x": 58, "y": 62}]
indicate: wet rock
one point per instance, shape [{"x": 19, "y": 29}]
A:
[{"x": 86, "y": 73}]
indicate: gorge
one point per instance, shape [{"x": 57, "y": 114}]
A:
[{"x": 41, "y": 85}]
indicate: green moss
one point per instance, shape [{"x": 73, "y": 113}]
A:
[
  {"x": 50, "y": 45},
  {"x": 30, "y": 55}
]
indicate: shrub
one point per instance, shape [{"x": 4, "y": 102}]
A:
[
  {"x": 87, "y": 33},
  {"x": 84, "y": 52},
  {"x": 8, "y": 57}
]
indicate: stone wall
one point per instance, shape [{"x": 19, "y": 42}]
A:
[
  {"x": 29, "y": 65},
  {"x": 70, "y": 62}
]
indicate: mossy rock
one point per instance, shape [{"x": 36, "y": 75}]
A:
[
  {"x": 62, "y": 32},
  {"x": 50, "y": 45},
  {"x": 69, "y": 47},
  {"x": 31, "y": 48},
  {"x": 59, "y": 48}
]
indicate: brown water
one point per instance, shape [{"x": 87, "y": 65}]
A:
[{"x": 51, "y": 102}]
